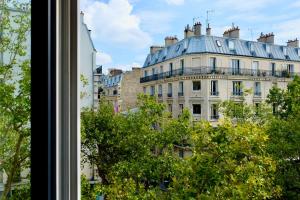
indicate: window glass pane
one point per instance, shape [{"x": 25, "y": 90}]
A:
[
  {"x": 196, "y": 85},
  {"x": 196, "y": 108}
]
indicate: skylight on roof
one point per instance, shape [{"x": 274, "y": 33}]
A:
[
  {"x": 219, "y": 44},
  {"x": 231, "y": 45}
]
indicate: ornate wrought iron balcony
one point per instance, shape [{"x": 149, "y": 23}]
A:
[{"x": 218, "y": 71}]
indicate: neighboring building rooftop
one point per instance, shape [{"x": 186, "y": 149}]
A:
[{"x": 224, "y": 45}]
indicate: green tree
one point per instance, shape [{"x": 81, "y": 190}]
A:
[
  {"x": 229, "y": 162},
  {"x": 284, "y": 131},
  {"x": 15, "y": 92}
]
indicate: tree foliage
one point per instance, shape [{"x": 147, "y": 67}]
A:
[
  {"x": 229, "y": 161},
  {"x": 284, "y": 131},
  {"x": 15, "y": 92}
]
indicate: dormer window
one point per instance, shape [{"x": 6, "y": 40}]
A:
[
  {"x": 231, "y": 45},
  {"x": 268, "y": 49},
  {"x": 178, "y": 47},
  {"x": 185, "y": 44},
  {"x": 284, "y": 51}
]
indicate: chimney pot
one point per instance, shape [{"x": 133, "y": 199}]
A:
[
  {"x": 293, "y": 43},
  {"x": 197, "y": 29},
  {"x": 266, "y": 38},
  {"x": 169, "y": 40},
  {"x": 233, "y": 32}
]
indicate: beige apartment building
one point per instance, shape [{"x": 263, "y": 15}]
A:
[
  {"x": 121, "y": 88},
  {"x": 202, "y": 70}
]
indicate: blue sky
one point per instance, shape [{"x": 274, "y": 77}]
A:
[{"x": 123, "y": 30}]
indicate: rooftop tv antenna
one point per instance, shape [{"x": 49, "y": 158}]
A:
[{"x": 207, "y": 16}]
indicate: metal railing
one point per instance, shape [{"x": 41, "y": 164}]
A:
[
  {"x": 237, "y": 93},
  {"x": 180, "y": 94},
  {"x": 214, "y": 93},
  {"x": 257, "y": 93},
  {"x": 169, "y": 94},
  {"x": 214, "y": 117},
  {"x": 218, "y": 71}
]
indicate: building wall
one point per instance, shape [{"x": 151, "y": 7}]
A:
[
  {"x": 126, "y": 89},
  {"x": 129, "y": 89},
  {"x": 87, "y": 63},
  {"x": 225, "y": 82}
]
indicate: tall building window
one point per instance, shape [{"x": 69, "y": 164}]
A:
[
  {"x": 237, "y": 88},
  {"x": 144, "y": 90},
  {"x": 273, "y": 69},
  {"x": 180, "y": 89},
  {"x": 161, "y": 69},
  {"x": 180, "y": 108},
  {"x": 213, "y": 64},
  {"x": 152, "y": 90},
  {"x": 257, "y": 89},
  {"x": 197, "y": 109},
  {"x": 170, "y": 108},
  {"x": 214, "y": 111},
  {"x": 169, "y": 89},
  {"x": 171, "y": 69},
  {"x": 255, "y": 68},
  {"x": 290, "y": 68},
  {"x": 196, "y": 85},
  {"x": 214, "y": 88},
  {"x": 153, "y": 71},
  {"x": 235, "y": 66},
  {"x": 145, "y": 73},
  {"x": 182, "y": 65},
  {"x": 159, "y": 90}
]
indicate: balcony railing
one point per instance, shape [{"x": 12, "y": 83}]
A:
[
  {"x": 237, "y": 93},
  {"x": 214, "y": 93},
  {"x": 218, "y": 71},
  {"x": 214, "y": 117},
  {"x": 159, "y": 95},
  {"x": 169, "y": 94},
  {"x": 257, "y": 93},
  {"x": 180, "y": 94}
]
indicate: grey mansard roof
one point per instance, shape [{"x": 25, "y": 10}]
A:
[{"x": 208, "y": 44}]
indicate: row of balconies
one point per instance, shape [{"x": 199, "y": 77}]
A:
[
  {"x": 219, "y": 71},
  {"x": 213, "y": 93}
]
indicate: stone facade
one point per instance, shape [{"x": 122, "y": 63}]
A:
[
  {"x": 121, "y": 89},
  {"x": 199, "y": 81}
]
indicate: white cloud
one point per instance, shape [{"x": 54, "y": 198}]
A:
[
  {"x": 103, "y": 58},
  {"x": 175, "y": 2},
  {"x": 242, "y": 5},
  {"x": 296, "y": 4},
  {"x": 287, "y": 30},
  {"x": 125, "y": 67},
  {"x": 113, "y": 22},
  {"x": 155, "y": 22}
]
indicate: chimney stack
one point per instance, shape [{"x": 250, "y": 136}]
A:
[
  {"x": 188, "y": 32},
  {"x": 154, "y": 49},
  {"x": 208, "y": 30},
  {"x": 170, "y": 40},
  {"x": 81, "y": 16},
  {"x": 197, "y": 29},
  {"x": 267, "y": 38},
  {"x": 293, "y": 43},
  {"x": 233, "y": 32}
]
